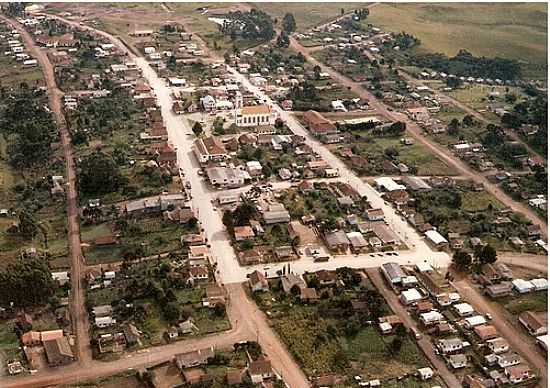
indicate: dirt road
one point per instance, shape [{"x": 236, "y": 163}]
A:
[
  {"x": 519, "y": 341},
  {"x": 424, "y": 343},
  {"x": 77, "y": 302},
  {"x": 467, "y": 109},
  {"x": 532, "y": 262},
  {"x": 417, "y": 133}
]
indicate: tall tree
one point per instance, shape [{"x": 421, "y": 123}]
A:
[
  {"x": 98, "y": 174},
  {"x": 289, "y": 24}
]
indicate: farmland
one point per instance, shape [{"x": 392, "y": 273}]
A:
[{"x": 515, "y": 31}]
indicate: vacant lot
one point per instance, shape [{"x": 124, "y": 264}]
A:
[
  {"x": 529, "y": 302},
  {"x": 515, "y": 31}
]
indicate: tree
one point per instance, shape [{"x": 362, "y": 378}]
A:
[
  {"x": 289, "y": 24},
  {"x": 397, "y": 128},
  {"x": 462, "y": 260},
  {"x": 453, "y": 126},
  {"x": 27, "y": 282},
  {"x": 486, "y": 254},
  {"x": 171, "y": 311},
  {"x": 395, "y": 345},
  {"x": 197, "y": 129},
  {"x": 468, "y": 121},
  {"x": 98, "y": 174},
  {"x": 282, "y": 40}
]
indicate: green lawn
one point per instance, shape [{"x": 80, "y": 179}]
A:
[
  {"x": 510, "y": 30},
  {"x": 478, "y": 201},
  {"x": 537, "y": 301}
]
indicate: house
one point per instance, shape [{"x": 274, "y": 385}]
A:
[
  {"x": 522, "y": 286},
  {"x": 198, "y": 255},
  {"x": 58, "y": 352},
  {"x": 457, "y": 361},
  {"x": 102, "y": 310},
  {"x": 436, "y": 239},
  {"x": 498, "y": 345},
  {"x": 533, "y": 231},
  {"x": 326, "y": 277},
  {"x": 533, "y": 323},
  {"x": 214, "y": 295},
  {"x": 337, "y": 241},
  {"x": 227, "y": 176},
  {"x": 540, "y": 284},
  {"x": 463, "y": 309},
  {"x": 208, "y": 149},
  {"x": 424, "y": 306},
  {"x": 410, "y": 296},
  {"x": 195, "y": 376},
  {"x": 425, "y": 373},
  {"x": 258, "y": 282},
  {"x": 499, "y": 290},
  {"x": 518, "y": 373},
  {"x": 197, "y": 274},
  {"x": 252, "y": 116},
  {"x": 103, "y": 322},
  {"x": 431, "y": 318},
  {"x": 476, "y": 320},
  {"x": 486, "y": 332},
  {"x": 194, "y": 358},
  {"x": 318, "y": 125},
  {"x": 418, "y": 114},
  {"x": 187, "y": 327},
  {"x": 386, "y": 235},
  {"x": 308, "y": 295},
  {"x": 292, "y": 283},
  {"x": 61, "y": 277},
  {"x": 260, "y": 370},
  {"x": 243, "y": 233},
  {"x": 392, "y": 272},
  {"x": 450, "y": 345},
  {"x": 387, "y": 184},
  {"x": 375, "y": 214},
  {"x": 508, "y": 359},
  {"x": 357, "y": 241},
  {"x": 542, "y": 341},
  {"x": 388, "y": 323},
  {"x": 276, "y": 213}
]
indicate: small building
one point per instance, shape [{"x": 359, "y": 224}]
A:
[
  {"x": 392, "y": 272},
  {"x": 243, "y": 233},
  {"x": 522, "y": 286},
  {"x": 457, "y": 361},
  {"x": 410, "y": 296},
  {"x": 463, "y": 309},
  {"x": 425, "y": 373},
  {"x": 194, "y": 358},
  {"x": 518, "y": 373},
  {"x": 436, "y": 239},
  {"x": 534, "y": 324},
  {"x": 251, "y": 116},
  {"x": 258, "y": 282},
  {"x": 486, "y": 332},
  {"x": 431, "y": 318},
  {"x": 476, "y": 320},
  {"x": 499, "y": 290},
  {"x": 260, "y": 370},
  {"x": 508, "y": 359},
  {"x": 450, "y": 345},
  {"x": 498, "y": 345}
]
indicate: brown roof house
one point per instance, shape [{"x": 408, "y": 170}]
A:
[
  {"x": 258, "y": 282},
  {"x": 533, "y": 323},
  {"x": 318, "y": 125},
  {"x": 260, "y": 370}
]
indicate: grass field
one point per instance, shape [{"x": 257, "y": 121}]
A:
[
  {"x": 478, "y": 201},
  {"x": 307, "y": 15},
  {"x": 537, "y": 301},
  {"x": 511, "y": 30}
]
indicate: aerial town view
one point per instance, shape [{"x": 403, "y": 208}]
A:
[{"x": 269, "y": 194}]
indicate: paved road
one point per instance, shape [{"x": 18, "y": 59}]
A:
[
  {"x": 424, "y": 343},
  {"x": 417, "y": 133},
  {"x": 78, "y": 310},
  {"x": 227, "y": 266},
  {"x": 519, "y": 341}
]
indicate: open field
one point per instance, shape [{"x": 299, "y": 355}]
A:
[
  {"x": 511, "y": 30},
  {"x": 536, "y": 301},
  {"x": 307, "y": 15}
]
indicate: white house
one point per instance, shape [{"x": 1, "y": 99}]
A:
[
  {"x": 102, "y": 322},
  {"x": 463, "y": 309},
  {"x": 476, "y": 320},
  {"x": 410, "y": 296},
  {"x": 498, "y": 345},
  {"x": 523, "y": 286},
  {"x": 431, "y": 318},
  {"x": 425, "y": 373}
]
